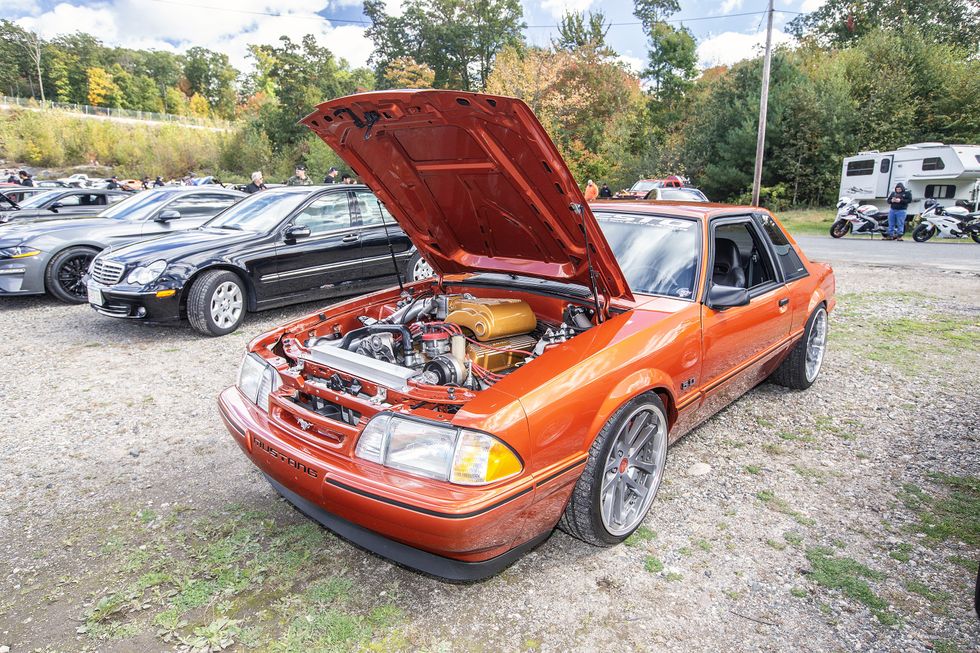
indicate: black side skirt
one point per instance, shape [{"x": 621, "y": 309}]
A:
[{"x": 402, "y": 554}]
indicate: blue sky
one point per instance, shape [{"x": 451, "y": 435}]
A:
[{"x": 230, "y": 25}]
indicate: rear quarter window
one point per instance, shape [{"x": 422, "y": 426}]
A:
[{"x": 786, "y": 257}]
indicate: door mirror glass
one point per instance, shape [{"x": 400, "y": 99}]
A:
[
  {"x": 168, "y": 215},
  {"x": 297, "y": 231},
  {"x": 54, "y": 207},
  {"x": 721, "y": 297}
]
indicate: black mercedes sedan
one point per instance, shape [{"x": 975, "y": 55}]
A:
[{"x": 276, "y": 247}]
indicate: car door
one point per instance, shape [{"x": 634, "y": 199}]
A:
[
  {"x": 378, "y": 228},
  {"x": 192, "y": 209},
  {"x": 318, "y": 252},
  {"x": 738, "y": 341}
]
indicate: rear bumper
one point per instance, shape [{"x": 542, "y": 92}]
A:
[{"x": 393, "y": 520}]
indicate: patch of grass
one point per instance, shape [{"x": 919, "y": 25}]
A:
[
  {"x": 639, "y": 536},
  {"x": 946, "y": 646},
  {"x": 808, "y": 221},
  {"x": 331, "y": 589},
  {"x": 734, "y": 595},
  {"x": 704, "y": 545},
  {"x": 965, "y": 563},
  {"x": 777, "y": 504},
  {"x": 673, "y": 576},
  {"x": 779, "y": 546},
  {"x": 923, "y": 590},
  {"x": 795, "y": 437},
  {"x": 799, "y": 592},
  {"x": 653, "y": 565},
  {"x": 902, "y": 552},
  {"x": 685, "y": 551},
  {"x": 753, "y": 469},
  {"x": 808, "y": 472},
  {"x": 850, "y": 578},
  {"x": 953, "y": 516},
  {"x": 773, "y": 449},
  {"x": 793, "y": 539}
]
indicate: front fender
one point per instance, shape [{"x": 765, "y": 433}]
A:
[{"x": 634, "y": 384}]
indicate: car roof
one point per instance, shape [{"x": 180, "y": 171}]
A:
[{"x": 673, "y": 208}]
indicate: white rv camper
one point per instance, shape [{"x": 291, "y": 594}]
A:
[{"x": 947, "y": 173}]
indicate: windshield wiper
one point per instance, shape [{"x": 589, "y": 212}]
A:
[{"x": 229, "y": 226}]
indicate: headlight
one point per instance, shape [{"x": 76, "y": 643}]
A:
[
  {"x": 257, "y": 379},
  {"x": 143, "y": 275},
  {"x": 18, "y": 251},
  {"x": 436, "y": 451}
]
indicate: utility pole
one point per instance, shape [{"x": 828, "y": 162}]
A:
[{"x": 763, "y": 109}]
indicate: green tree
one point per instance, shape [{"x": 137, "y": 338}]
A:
[
  {"x": 457, "y": 39},
  {"x": 210, "y": 74},
  {"x": 579, "y": 30},
  {"x": 672, "y": 51}
]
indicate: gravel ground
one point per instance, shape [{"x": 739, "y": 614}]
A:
[{"x": 842, "y": 518}]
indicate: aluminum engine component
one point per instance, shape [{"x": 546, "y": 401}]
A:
[
  {"x": 443, "y": 370},
  {"x": 495, "y": 357},
  {"x": 490, "y": 319}
]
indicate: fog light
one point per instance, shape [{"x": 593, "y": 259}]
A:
[{"x": 140, "y": 312}]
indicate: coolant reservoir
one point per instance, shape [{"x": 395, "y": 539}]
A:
[{"x": 490, "y": 319}]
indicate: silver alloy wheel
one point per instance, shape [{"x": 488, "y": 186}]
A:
[
  {"x": 226, "y": 304},
  {"x": 633, "y": 470},
  {"x": 816, "y": 344},
  {"x": 422, "y": 270}
]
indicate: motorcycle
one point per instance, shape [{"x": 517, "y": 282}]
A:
[
  {"x": 859, "y": 218},
  {"x": 952, "y": 222}
]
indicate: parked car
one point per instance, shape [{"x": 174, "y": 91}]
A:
[
  {"x": 282, "y": 246},
  {"x": 539, "y": 380},
  {"x": 17, "y": 194},
  {"x": 53, "y": 255},
  {"x": 61, "y": 204},
  {"x": 642, "y": 187},
  {"x": 79, "y": 180},
  {"x": 676, "y": 195}
]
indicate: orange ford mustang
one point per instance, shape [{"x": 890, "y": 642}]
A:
[{"x": 539, "y": 376}]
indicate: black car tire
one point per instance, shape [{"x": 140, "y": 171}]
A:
[
  {"x": 792, "y": 372},
  {"x": 205, "y": 292},
  {"x": 411, "y": 268},
  {"x": 63, "y": 276},
  {"x": 583, "y": 517}
]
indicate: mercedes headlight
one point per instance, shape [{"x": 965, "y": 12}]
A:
[
  {"x": 436, "y": 451},
  {"x": 257, "y": 379},
  {"x": 146, "y": 274},
  {"x": 18, "y": 251}
]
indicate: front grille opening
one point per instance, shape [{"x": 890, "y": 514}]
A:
[{"x": 328, "y": 409}]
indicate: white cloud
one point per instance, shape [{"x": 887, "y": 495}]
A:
[
  {"x": 812, "y": 5},
  {"x": 229, "y": 28},
  {"x": 558, "y": 8},
  {"x": 636, "y": 64},
  {"x": 729, "y": 6},
  {"x": 730, "y": 47}
]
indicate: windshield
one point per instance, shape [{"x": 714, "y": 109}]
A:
[
  {"x": 259, "y": 212},
  {"x": 643, "y": 186},
  {"x": 658, "y": 256},
  {"x": 682, "y": 194},
  {"x": 39, "y": 199},
  {"x": 138, "y": 206}
]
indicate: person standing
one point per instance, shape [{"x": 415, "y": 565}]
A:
[
  {"x": 898, "y": 204},
  {"x": 331, "y": 177},
  {"x": 159, "y": 182},
  {"x": 258, "y": 183},
  {"x": 605, "y": 192},
  {"x": 25, "y": 179},
  {"x": 591, "y": 191},
  {"x": 299, "y": 178},
  {"x": 113, "y": 183}
]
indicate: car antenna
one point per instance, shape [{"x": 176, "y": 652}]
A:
[
  {"x": 580, "y": 210},
  {"x": 391, "y": 250}
]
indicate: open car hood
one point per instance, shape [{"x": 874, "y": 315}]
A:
[{"x": 475, "y": 182}]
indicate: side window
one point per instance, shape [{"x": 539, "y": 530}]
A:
[
  {"x": 740, "y": 258},
  {"x": 70, "y": 200},
  {"x": 786, "y": 257},
  {"x": 200, "y": 205},
  {"x": 933, "y": 163},
  {"x": 372, "y": 213},
  {"x": 328, "y": 213},
  {"x": 886, "y": 165},
  {"x": 940, "y": 191},
  {"x": 112, "y": 199},
  {"x": 861, "y": 168}
]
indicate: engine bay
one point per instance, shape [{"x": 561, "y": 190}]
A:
[{"x": 448, "y": 340}]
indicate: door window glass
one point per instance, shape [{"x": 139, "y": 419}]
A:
[
  {"x": 370, "y": 209},
  {"x": 740, "y": 259},
  {"x": 786, "y": 257},
  {"x": 328, "y": 213},
  {"x": 201, "y": 205},
  {"x": 886, "y": 165}
]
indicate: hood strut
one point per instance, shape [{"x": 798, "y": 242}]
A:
[{"x": 593, "y": 278}]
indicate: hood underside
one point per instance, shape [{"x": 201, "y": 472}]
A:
[{"x": 475, "y": 182}]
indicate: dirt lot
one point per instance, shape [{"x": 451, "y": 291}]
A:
[{"x": 842, "y": 518}]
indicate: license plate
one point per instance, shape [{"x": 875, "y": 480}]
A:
[{"x": 94, "y": 295}]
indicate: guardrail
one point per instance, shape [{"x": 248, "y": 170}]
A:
[{"x": 113, "y": 112}]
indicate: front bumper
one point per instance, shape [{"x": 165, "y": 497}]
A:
[
  {"x": 134, "y": 304},
  {"x": 23, "y": 276},
  {"x": 457, "y": 540}
]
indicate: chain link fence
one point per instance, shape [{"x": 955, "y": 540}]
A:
[{"x": 113, "y": 112}]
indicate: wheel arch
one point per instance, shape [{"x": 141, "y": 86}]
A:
[
  {"x": 251, "y": 300},
  {"x": 58, "y": 252},
  {"x": 634, "y": 384}
]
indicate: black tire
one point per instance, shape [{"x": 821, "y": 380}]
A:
[
  {"x": 792, "y": 372},
  {"x": 840, "y": 228},
  {"x": 63, "y": 276},
  {"x": 582, "y": 518},
  {"x": 203, "y": 292},
  {"x": 923, "y": 232},
  {"x": 410, "y": 268},
  {"x": 975, "y": 235}
]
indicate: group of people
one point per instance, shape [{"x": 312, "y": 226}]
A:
[
  {"x": 593, "y": 192},
  {"x": 299, "y": 178},
  {"x": 22, "y": 177}
]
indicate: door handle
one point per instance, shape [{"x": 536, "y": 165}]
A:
[
  {"x": 350, "y": 238},
  {"x": 783, "y": 301}
]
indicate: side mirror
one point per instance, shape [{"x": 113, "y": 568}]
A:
[
  {"x": 54, "y": 207},
  {"x": 722, "y": 297},
  {"x": 167, "y": 215},
  {"x": 295, "y": 231}
]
